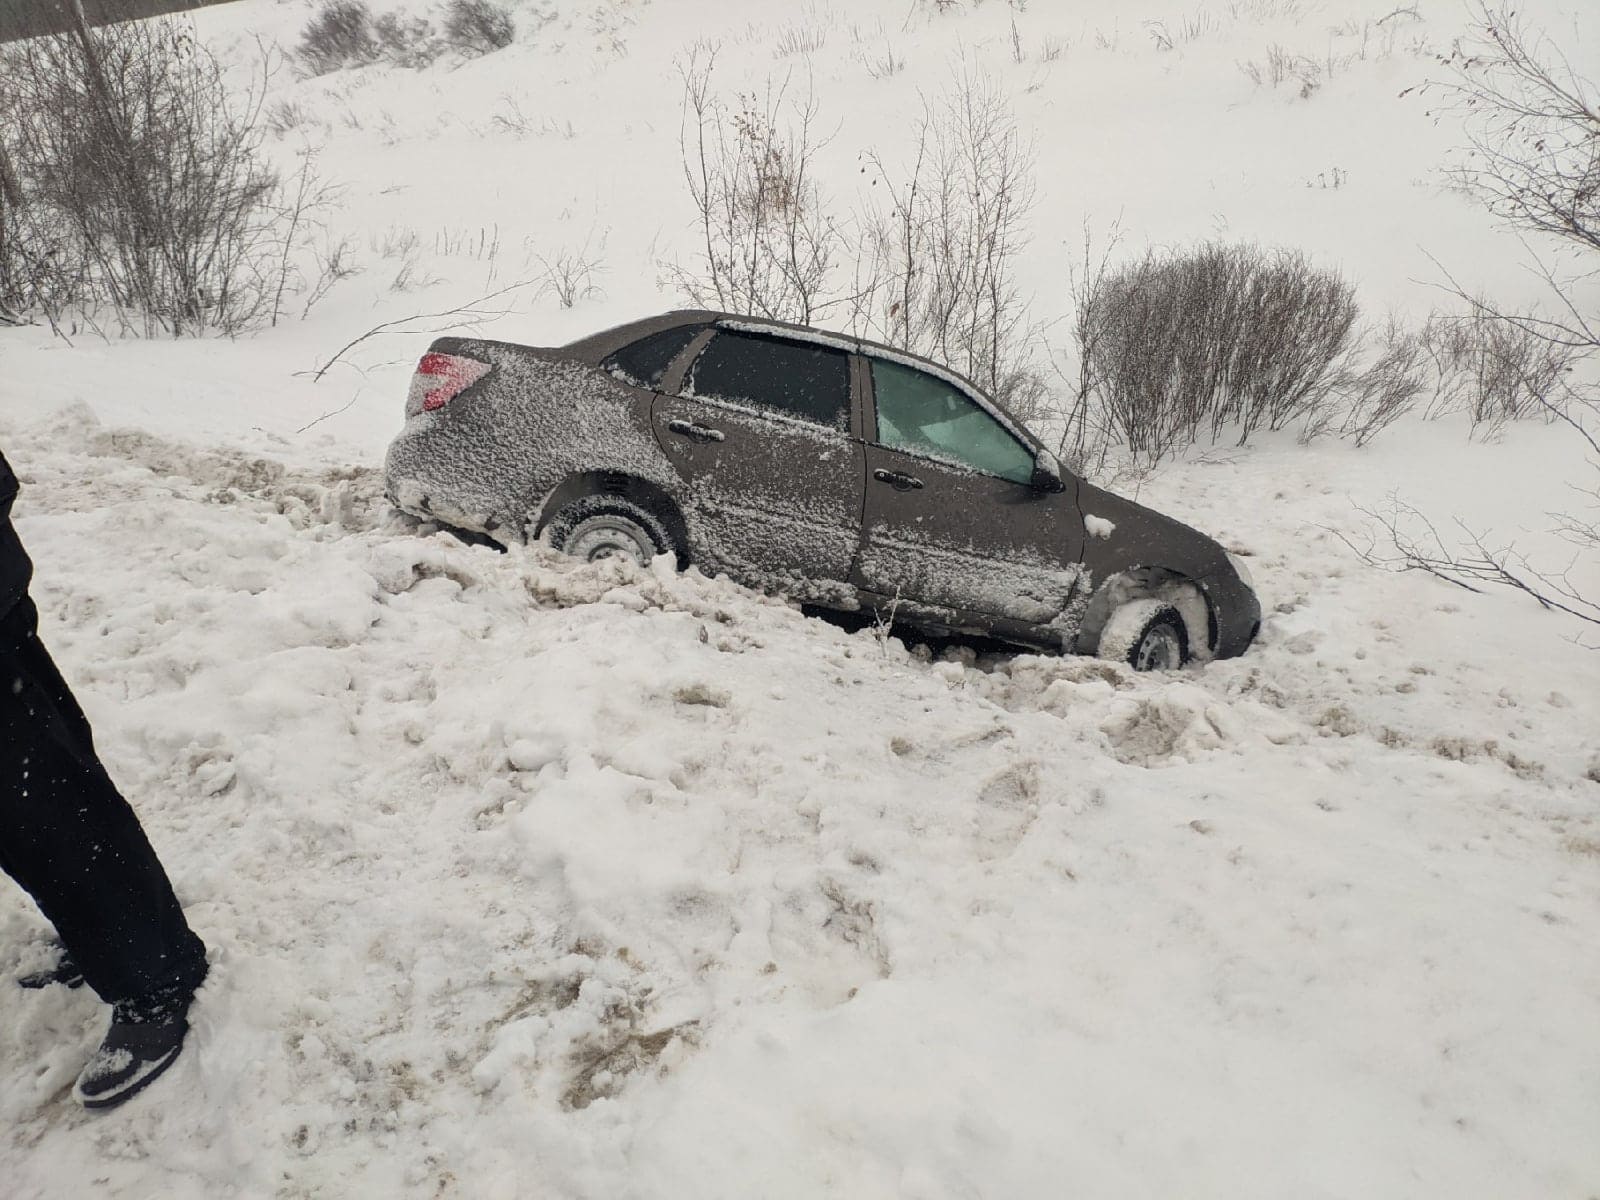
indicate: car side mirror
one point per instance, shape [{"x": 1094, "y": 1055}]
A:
[{"x": 1047, "y": 473}]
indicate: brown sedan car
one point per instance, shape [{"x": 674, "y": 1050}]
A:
[{"x": 833, "y": 470}]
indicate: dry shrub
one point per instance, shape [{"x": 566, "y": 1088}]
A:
[
  {"x": 405, "y": 41},
  {"x": 340, "y": 35},
  {"x": 135, "y": 187},
  {"x": 1222, "y": 337},
  {"x": 1493, "y": 368},
  {"x": 344, "y": 33},
  {"x": 477, "y": 27},
  {"x": 1388, "y": 388}
]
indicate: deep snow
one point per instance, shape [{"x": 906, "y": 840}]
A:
[{"x": 529, "y": 879}]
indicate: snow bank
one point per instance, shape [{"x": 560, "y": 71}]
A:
[{"x": 525, "y": 877}]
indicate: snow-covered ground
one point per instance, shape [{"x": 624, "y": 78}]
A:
[{"x": 528, "y": 879}]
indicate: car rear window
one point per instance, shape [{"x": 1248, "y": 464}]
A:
[
  {"x": 644, "y": 362},
  {"x": 795, "y": 379}
]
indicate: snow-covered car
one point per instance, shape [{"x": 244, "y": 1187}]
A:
[{"x": 838, "y": 472}]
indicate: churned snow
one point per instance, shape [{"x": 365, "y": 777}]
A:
[
  {"x": 529, "y": 878},
  {"x": 523, "y": 877}
]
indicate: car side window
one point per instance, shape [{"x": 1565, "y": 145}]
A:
[
  {"x": 793, "y": 379},
  {"x": 922, "y": 414},
  {"x": 644, "y": 362}
]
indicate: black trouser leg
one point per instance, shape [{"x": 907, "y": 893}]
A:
[{"x": 70, "y": 839}]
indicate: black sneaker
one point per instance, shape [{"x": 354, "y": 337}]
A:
[
  {"x": 65, "y": 972},
  {"x": 143, "y": 1041}
]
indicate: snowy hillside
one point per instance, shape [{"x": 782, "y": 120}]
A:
[{"x": 523, "y": 878}]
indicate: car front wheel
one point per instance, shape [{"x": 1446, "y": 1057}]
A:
[{"x": 1148, "y": 635}]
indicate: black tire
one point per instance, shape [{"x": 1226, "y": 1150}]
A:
[
  {"x": 1163, "y": 644},
  {"x": 1147, "y": 635},
  {"x": 608, "y": 526}
]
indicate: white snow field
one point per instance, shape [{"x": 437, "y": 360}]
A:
[{"x": 529, "y": 879}]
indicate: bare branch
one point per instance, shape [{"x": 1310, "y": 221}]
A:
[
  {"x": 470, "y": 313},
  {"x": 1473, "y": 569}
]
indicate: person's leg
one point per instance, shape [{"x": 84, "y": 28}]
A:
[{"x": 71, "y": 840}]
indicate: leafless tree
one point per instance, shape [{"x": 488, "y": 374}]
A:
[
  {"x": 945, "y": 242},
  {"x": 768, "y": 243},
  {"x": 1534, "y": 150}
]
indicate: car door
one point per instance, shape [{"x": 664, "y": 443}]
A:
[
  {"x": 953, "y": 517},
  {"x": 762, "y": 429}
]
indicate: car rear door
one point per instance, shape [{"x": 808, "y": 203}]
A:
[
  {"x": 763, "y": 430},
  {"x": 952, "y": 517}
]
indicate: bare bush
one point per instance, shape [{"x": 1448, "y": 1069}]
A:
[
  {"x": 1282, "y": 66},
  {"x": 1493, "y": 370},
  {"x": 512, "y": 118},
  {"x": 1534, "y": 160},
  {"x": 136, "y": 187},
  {"x": 1190, "y": 27},
  {"x": 334, "y": 262},
  {"x": 1084, "y": 438},
  {"x": 477, "y": 27},
  {"x": 800, "y": 39},
  {"x": 284, "y": 116},
  {"x": 1223, "y": 337},
  {"x": 345, "y": 33},
  {"x": 769, "y": 244},
  {"x": 339, "y": 35},
  {"x": 572, "y": 275},
  {"x": 405, "y": 41},
  {"x": 882, "y": 65},
  {"x": 939, "y": 273},
  {"x": 1388, "y": 387}
]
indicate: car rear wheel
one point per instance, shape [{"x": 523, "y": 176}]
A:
[
  {"x": 603, "y": 526},
  {"x": 1148, "y": 635}
]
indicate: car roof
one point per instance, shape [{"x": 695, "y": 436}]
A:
[{"x": 597, "y": 346}]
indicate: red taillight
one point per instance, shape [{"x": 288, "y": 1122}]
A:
[{"x": 441, "y": 377}]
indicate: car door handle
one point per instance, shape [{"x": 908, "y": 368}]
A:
[
  {"x": 696, "y": 433},
  {"x": 900, "y": 483}
]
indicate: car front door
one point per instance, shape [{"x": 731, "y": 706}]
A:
[
  {"x": 953, "y": 517},
  {"x": 762, "y": 429}
]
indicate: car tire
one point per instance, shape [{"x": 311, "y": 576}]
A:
[
  {"x": 607, "y": 526},
  {"x": 1148, "y": 635}
]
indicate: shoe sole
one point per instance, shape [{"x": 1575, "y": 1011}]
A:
[{"x": 130, "y": 1089}]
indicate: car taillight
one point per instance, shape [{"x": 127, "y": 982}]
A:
[{"x": 442, "y": 377}]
